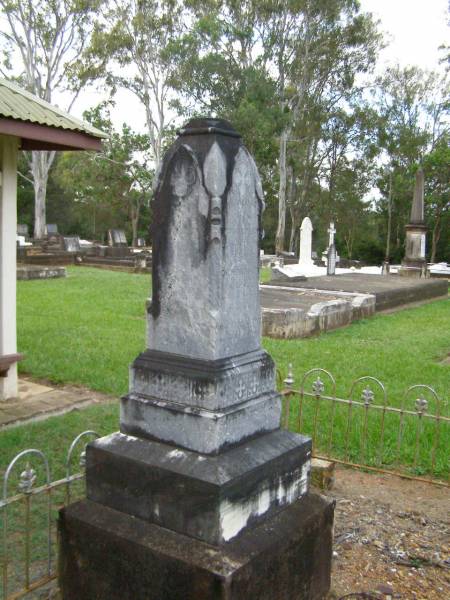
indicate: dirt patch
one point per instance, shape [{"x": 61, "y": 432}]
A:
[
  {"x": 392, "y": 538},
  {"x": 446, "y": 360}
]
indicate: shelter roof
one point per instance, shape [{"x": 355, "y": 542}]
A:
[{"x": 42, "y": 126}]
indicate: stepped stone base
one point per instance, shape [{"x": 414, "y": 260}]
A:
[
  {"x": 211, "y": 498},
  {"x": 206, "y": 406},
  {"x": 108, "y": 555}
]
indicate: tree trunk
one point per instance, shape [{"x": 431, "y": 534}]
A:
[
  {"x": 435, "y": 238},
  {"x": 134, "y": 217},
  {"x": 279, "y": 238},
  {"x": 389, "y": 226},
  {"x": 40, "y": 165},
  {"x": 295, "y": 227}
]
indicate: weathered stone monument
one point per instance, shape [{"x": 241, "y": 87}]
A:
[
  {"x": 117, "y": 244},
  {"x": 331, "y": 260},
  {"x": 414, "y": 264},
  {"x": 200, "y": 495},
  {"x": 305, "y": 254},
  {"x": 71, "y": 243},
  {"x": 330, "y": 253},
  {"x": 117, "y": 238}
]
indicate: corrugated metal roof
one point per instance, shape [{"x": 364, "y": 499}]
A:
[{"x": 17, "y": 103}]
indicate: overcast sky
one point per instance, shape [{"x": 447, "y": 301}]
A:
[{"x": 414, "y": 29}]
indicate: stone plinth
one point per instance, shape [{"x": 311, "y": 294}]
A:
[
  {"x": 200, "y": 495},
  {"x": 108, "y": 555},
  {"x": 211, "y": 498},
  {"x": 201, "y": 405}
]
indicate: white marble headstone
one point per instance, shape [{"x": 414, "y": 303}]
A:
[{"x": 306, "y": 229}]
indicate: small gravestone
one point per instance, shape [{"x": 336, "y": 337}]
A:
[
  {"x": 22, "y": 230},
  {"x": 305, "y": 254},
  {"x": 331, "y": 260},
  {"x": 52, "y": 233},
  {"x": 52, "y": 229},
  {"x": 201, "y": 495},
  {"x": 71, "y": 243},
  {"x": 140, "y": 242},
  {"x": 117, "y": 244},
  {"x": 117, "y": 238}
]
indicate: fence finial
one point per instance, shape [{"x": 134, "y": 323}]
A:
[{"x": 289, "y": 381}]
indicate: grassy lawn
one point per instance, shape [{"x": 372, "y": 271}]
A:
[{"x": 87, "y": 328}]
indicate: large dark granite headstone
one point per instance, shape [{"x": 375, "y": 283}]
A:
[{"x": 200, "y": 495}]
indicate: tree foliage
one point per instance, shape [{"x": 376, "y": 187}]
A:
[
  {"x": 45, "y": 38},
  {"x": 110, "y": 188}
]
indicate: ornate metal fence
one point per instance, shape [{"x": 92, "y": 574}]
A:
[
  {"x": 410, "y": 439},
  {"x": 27, "y": 517}
]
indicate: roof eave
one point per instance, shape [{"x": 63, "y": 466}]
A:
[{"x": 43, "y": 137}]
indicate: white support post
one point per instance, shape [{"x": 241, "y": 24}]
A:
[{"x": 8, "y": 229}]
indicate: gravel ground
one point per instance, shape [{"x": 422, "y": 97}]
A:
[{"x": 392, "y": 538}]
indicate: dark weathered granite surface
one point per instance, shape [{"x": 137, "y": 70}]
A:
[
  {"x": 212, "y": 498},
  {"x": 107, "y": 555}
]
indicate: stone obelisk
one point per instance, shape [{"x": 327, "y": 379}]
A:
[
  {"x": 414, "y": 264},
  {"x": 200, "y": 495}
]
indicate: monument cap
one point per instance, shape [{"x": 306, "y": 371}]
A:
[{"x": 207, "y": 125}]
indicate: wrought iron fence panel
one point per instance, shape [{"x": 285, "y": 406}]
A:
[
  {"x": 28, "y": 517},
  {"x": 410, "y": 437}
]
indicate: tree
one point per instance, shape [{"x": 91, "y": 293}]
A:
[
  {"x": 413, "y": 106},
  {"x": 46, "y": 38},
  {"x": 130, "y": 49},
  {"x": 304, "y": 54},
  {"x": 318, "y": 49},
  {"x": 436, "y": 167},
  {"x": 113, "y": 185}
]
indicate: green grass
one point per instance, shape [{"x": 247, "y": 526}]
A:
[
  {"x": 86, "y": 329},
  {"x": 83, "y": 329}
]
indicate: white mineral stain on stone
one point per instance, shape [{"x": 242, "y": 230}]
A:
[
  {"x": 234, "y": 516},
  {"x": 109, "y": 440},
  {"x": 176, "y": 454}
]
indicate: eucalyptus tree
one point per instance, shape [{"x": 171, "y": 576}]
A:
[
  {"x": 304, "y": 54},
  {"x": 414, "y": 110},
  {"x": 132, "y": 49},
  {"x": 41, "y": 42},
  {"x": 436, "y": 165},
  {"x": 318, "y": 49},
  {"x": 112, "y": 186}
]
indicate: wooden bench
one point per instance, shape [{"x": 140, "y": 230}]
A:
[{"x": 7, "y": 360}]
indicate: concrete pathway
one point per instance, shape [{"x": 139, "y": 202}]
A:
[{"x": 37, "y": 401}]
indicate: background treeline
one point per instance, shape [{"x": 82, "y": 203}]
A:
[{"x": 332, "y": 140}]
